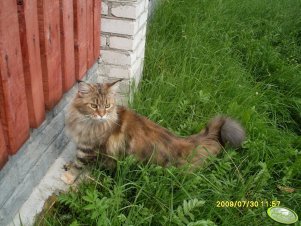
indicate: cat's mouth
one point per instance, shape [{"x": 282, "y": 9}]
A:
[{"x": 99, "y": 118}]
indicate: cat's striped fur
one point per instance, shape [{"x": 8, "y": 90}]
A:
[{"x": 100, "y": 127}]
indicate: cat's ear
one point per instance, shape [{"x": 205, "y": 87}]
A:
[
  {"x": 113, "y": 86},
  {"x": 113, "y": 83},
  {"x": 84, "y": 88}
]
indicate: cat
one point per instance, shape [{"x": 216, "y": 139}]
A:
[{"x": 104, "y": 130}]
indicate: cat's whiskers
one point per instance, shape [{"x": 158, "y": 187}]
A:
[
  {"x": 85, "y": 118},
  {"x": 113, "y": 120}
]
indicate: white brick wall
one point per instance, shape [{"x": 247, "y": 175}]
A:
[
  {"x": 104, "y": 8},
  {"x": 131, "y": 11},
  {"x": 123, "y": 29},
  {"x": 124, "y": 43},
  {"x": 118, "y": 58},
  {"x": 117, "y": 26},
  {"x": 103, "y": 41},
  {"x": 142, "y": 19},
  {"x": 115, "y": 71},
  {"x": 140, "y": 49}
]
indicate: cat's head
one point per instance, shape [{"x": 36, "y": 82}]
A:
[{"x": 96, "y": 100}]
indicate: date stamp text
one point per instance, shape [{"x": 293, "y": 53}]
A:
[{"x": 246, "y": 204}]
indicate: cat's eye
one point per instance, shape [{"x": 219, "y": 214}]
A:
[
  {"x": 107, "y": 106},
  {"x": 94, "y": 106}
]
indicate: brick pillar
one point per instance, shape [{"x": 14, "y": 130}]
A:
[{"x": 123, "y": 29}]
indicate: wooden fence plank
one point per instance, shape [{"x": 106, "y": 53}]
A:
[
  {"x": 67, "y": 44},
  {"x": 3, "y": 149},
  {"x": 80, "y": 38},
  {"x": 96, "y": 25},
  {"x": 90, "y": 33},
  {"x": 29, "y": 35},
  {"x": 49, "y": 27},
  {"x": 13, "y": 103}
]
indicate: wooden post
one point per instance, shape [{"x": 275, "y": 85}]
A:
[
  {"x": 96, "y": 29},
  {"x": 13, "y": 103},
  {"x": 67, "y": 44},
  {"x": 30, "y": 44},
  {"x": 49, "y": 26},
  {"x": 90, "y": 33},
  {"x": 3, "y": 149},
  {"x": 80, "y": 38}
]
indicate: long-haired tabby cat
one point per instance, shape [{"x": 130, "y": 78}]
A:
[{"x": 98, "y": 125}]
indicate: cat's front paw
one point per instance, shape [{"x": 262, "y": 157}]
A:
[{"x": 73, "y": 170}]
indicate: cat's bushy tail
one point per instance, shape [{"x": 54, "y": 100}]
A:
[{"x": 226, "y": 130}]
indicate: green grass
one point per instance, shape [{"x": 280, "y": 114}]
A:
[{"x": 203, "y": 58}]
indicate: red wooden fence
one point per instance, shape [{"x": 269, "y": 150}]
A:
[
  {"x": 13, "y": 103},
  {"x": 67, "y": 44},
  {"x": 45, "y": 45},
  {"x": 29, "y": 35},
  {"x": 80, "y": 21}
]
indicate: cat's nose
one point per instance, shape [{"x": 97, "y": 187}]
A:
[{"x": 101, "y": 113}]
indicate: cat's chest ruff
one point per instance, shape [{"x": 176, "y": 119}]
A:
[{"x": 92, "y": 133}]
